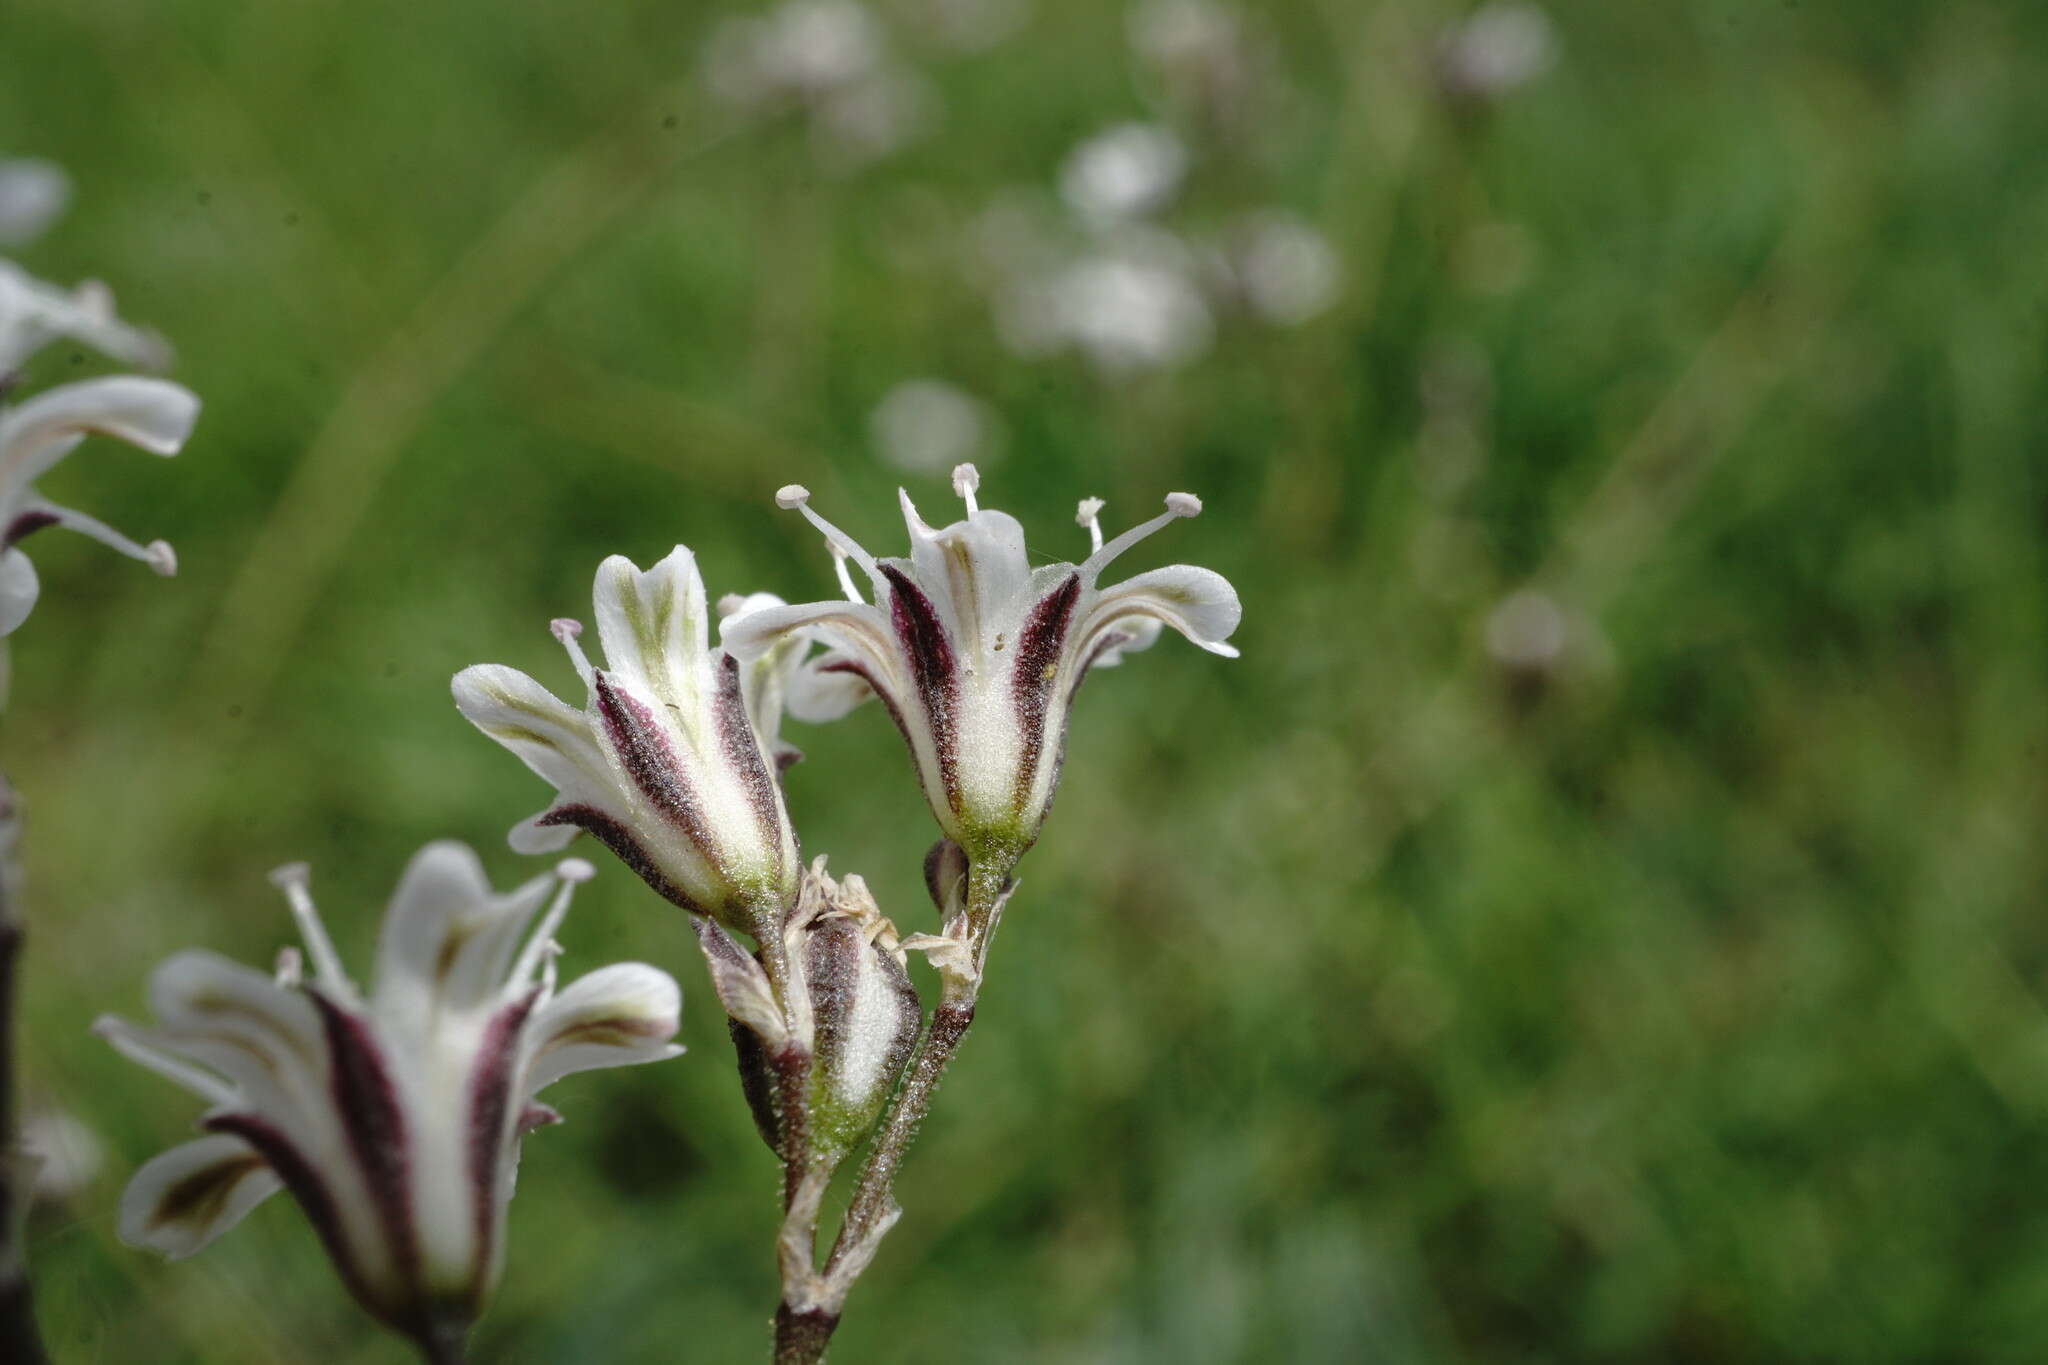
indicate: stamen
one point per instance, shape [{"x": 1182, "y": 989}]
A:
[
  {"x": 1089, "y": 514},
  {"x": 845, "y": 579},
  {"x": 1178, "y": 505},
  {"x": 966, "y": 479},
  {"x": 129, "y": 1042},
  {"x": 157, "y": 554},
  {"x": 566, "y": 630},
  {"x": 797, "y": 496},
  {"x": 291, "y": 967},
  {"x": 573, "y": 872},
  {"x": 327, "y": 969}
]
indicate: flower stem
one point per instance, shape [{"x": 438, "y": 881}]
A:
[
  {"x": 801, "y": 1336},
  {"x": 445, "y": 1342},
  {"x": 19, "y": 1341}
]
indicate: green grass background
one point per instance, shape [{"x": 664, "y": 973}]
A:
[{"x": 1363, "y": 1001}]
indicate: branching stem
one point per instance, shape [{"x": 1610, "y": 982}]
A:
[{"x": 803, "y": 1331}]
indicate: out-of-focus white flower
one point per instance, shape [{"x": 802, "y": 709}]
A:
[
  {"x": 1280, "y": 268},
  {"x": 33, "y": 314},
  {"x": 1527, "y": 630},
  {"x": 926, "y": 426},
  {"x": 977, "y": 655},
  {"x": 151, "y": 413},
  {"x": 1179, "y": 33},
  {"x": 1134, "y": 304},
  {"x": 867, "y": 121},
  {"x": 964, "y": 25},
  {"x": 33, "y": 194},
  {"x": 68, "y": 1154},
  {"x": 1202, "y": 57},
  {"x": 664, "y": 764},
  {"x": 393, "y": 1118},
  {"x": 1500, "y": 47},
  {"x": 1124, "y": 173},
  {"x": 802, "y": 48},
  {"x": 826, "y": 56}
]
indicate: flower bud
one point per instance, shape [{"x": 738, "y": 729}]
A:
[{"x": 864, "y": 1017}]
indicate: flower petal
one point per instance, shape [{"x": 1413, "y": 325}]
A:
[
  {"x": 654, "y": 625},
  {"x": 550, "y": 737},
  {"x": 1199, "y": 603},
  {"x": 821, "y": 689},
  {"x": 448, "y": 938},
  {"x": 151, "y": 413},
  {"x": 18, "y": 589},
  {"x": 975, "y": 571},
  {"x": 856, "y": 628},
  {"x": 240, "y": 1022},
  {"x": 183, "y": 1199},
  {"x": 616, "y": 1016}
]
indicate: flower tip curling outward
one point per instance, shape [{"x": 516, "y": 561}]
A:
[
  {"x": 152, "y": 414},
  {"x": 394, "y": 1120}
]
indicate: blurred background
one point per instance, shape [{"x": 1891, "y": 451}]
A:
[{"x": 1598, "y": 919}]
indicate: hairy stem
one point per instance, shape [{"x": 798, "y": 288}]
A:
[
  {"x": 19, "y": 1341},
  {"x": 801, "y": 1334}
]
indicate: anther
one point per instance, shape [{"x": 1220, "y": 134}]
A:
[{"x": 966, "y": 479}]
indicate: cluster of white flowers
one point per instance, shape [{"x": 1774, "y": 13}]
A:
[{"x": 1105, "y": 275}]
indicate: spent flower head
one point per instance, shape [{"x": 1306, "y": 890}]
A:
[{"x": 394, "y": 1118}]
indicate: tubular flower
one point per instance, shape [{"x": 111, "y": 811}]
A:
[
  {"x": 151, "y": 413},
  {"x": 665, "y": 765},
  {"x": 394, "y": 1120},
  {"x": 976, "y": 655}
]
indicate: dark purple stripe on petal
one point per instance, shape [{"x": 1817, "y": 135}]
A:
[
  {"x": 1039, "y": 645},
  {"x": 24, "y": 524},
  {"x": 643, "y": 749},
  {"x": 367, "y": 1104},
  {"x": 316, "y": 1200},
  {"x": 490, "y": 1126},
  {"x": 624, "y": 847},
  {"x": 933, "y": 668},
  {"x": 743, "y": 752}
]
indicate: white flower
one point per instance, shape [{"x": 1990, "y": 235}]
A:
[
  {"x": 830, "y": 58},
  {"x": 1124, "y": 173},
  {"x": 665, "y": 765},
  {"x": 1281, "y": 268},
  {"x": 976, "y": 655},
  {"x": 393, "y": 1118},
  {"x": 926, "y": 426},
  {"x": 1134, "y": 304},
  {"x": 33, "y": 314},
  {"x": 33, "y": 195},
  {"x": 1503, "y": 45},
  {"x": 151, "y": 413}
]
